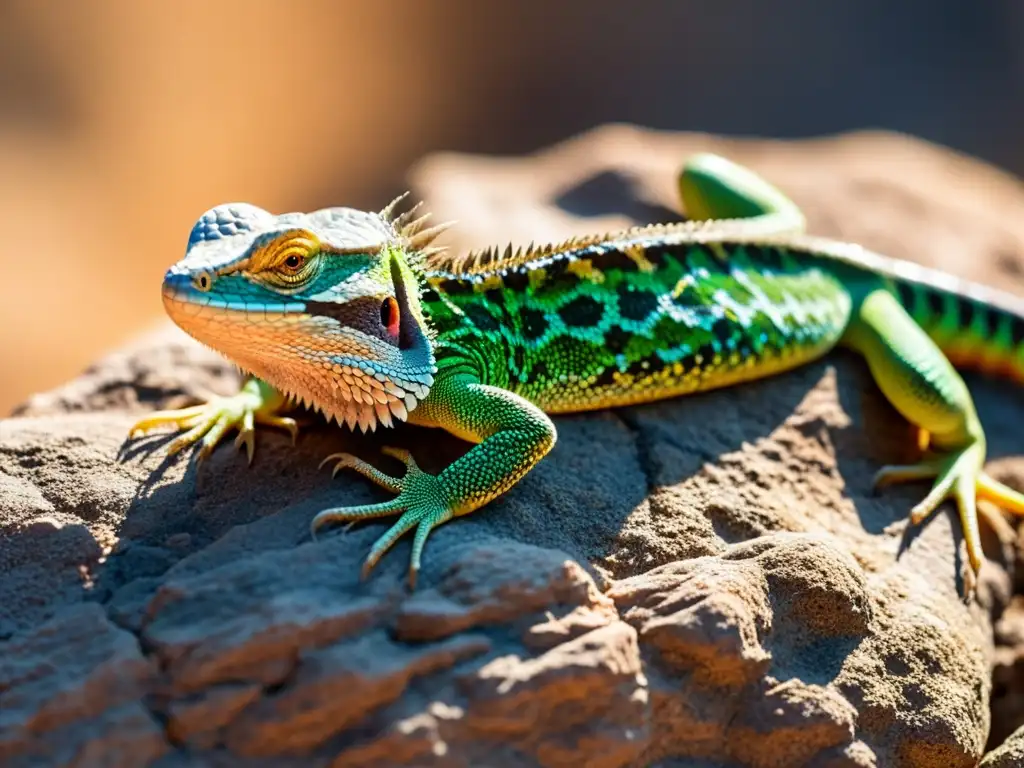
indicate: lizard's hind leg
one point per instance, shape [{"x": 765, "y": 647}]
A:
[
  {"x": 925, "y": 387},
  {"x": 712, "y": 187}
]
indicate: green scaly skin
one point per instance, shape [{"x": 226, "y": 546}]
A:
[{"x": 357, "y": 315}]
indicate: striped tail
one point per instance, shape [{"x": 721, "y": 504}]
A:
[{"x": 976, "y": 327}]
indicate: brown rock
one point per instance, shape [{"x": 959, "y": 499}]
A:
[
  {"x": 71, "y": 693},
  {"x": 1009, "y": 755},
  {"x": 708, "y": 581}
]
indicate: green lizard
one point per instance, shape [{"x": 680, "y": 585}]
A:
[{"x": 357, "y": 315}]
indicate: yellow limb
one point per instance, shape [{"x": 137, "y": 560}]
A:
[
  {"x": 923, "y": 386},
  {"x": 256, "y": 402}
]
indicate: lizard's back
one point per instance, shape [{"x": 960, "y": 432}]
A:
[{"x": 648, "y": 314}]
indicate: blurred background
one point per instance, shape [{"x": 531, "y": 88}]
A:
[{"x": 122, "y": 121}]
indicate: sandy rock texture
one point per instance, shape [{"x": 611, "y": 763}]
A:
[
  {"x": 1010, "y": 754},
  {"x": 703, "y": 583}
]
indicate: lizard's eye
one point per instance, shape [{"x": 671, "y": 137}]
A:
[
  {"x": 293, "y": 263},
  {"x": 295, "y": 269}
]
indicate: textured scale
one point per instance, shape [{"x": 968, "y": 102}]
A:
[
  {"x": 977, "y": 332},
  {"x": 624, "y": 321}
]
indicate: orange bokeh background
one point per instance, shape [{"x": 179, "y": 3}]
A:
[{"x": 122, "y": 121}]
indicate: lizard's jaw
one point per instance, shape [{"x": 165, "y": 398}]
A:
[{"x": 346, "y": 374}]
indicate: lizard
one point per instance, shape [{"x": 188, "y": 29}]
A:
[{"x": 362, "y": 317}]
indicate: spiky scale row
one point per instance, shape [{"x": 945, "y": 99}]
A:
[{"x": 411, "y": 228}]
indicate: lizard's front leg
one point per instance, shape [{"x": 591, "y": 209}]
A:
[
  {"x": 511, "y": 435},
  {"x": 256, "y": 402}
]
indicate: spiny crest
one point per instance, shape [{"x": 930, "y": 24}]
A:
[
  {"x": 496, "y": 258},
  {"x": 413, "y": 229}
]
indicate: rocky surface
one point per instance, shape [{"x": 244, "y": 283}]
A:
[
  {"x": 705, "y": 582},
  {"x": 1009, "y": 755}
]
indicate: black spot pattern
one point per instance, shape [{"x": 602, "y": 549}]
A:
[
  {"x": 965, "y": 308},
  {"x": 557, "y": 280},
  {"x": 706, "y": 353},
  {"x": 616, "y": 340},
  {"x": 1017, "y": 330},
  {"x": 723, "y": 329},
  {"x": 480, "y": 317},
  {"x": 645, "y": 366},
  {"x": 607, "y": 259},
  {"x": 582, "y": 312},
  {"x": 768, "y": 259},
  {"x": 906, "y": 295},
  {"x": 454, "y": 287},
  {"x": 534, "y": 324},
  {"x": 516, "y": 281},
  {"x": 636, "y": 304},
  {"x": 991, "y": 323}
]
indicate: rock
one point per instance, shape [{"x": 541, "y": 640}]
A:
[
  {"x": 708, "y": 581},
  {"x": 1009, "y": 755},
  {"x": 1008, "y": 673},
  {"x": 71, "y": 691}
]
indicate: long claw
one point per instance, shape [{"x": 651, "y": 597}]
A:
[
  {"x": 964, "y": 494},
  {"x": 247, "y": 437},
  {"x": 401, "y": 454},
  {"x": 281, "y": 422},
  {"x": 256, "y": 402},
  {"x": 348, "y": 461},
  {"x": 895, "y": 473},
  {"x": 362, "y": 512},
  {"x": 420, "y": 499},
  {"x": 189, "y": 438},
  {"x": 959, "y": 477},
  {"x": 405, "y": 523},
  {"x": 213, "y": 436},
  {"x": 1002, "y": 495},
  {"x": 176, "y": 418},
  {"x": 426, "y": 525}
]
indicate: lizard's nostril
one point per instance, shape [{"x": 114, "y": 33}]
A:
[
  {"x": 390, "y": 315},
  {"x": 203, "y": 281}
]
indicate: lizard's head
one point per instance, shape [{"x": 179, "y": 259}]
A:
[{"x": 323, "y": 306}]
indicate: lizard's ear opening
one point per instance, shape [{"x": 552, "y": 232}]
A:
[
  {"x": 412, "y": 339},
  {"x": 391, "y": 316}
]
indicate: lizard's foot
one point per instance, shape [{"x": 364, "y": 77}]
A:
[
  {"x": 255, "y": 403},
  {"x": 421, "y": 498},
  {"x": 958, "y": 475}
]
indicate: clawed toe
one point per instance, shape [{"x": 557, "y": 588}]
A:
[
  {"x": 420, "y": 499},
  {"x": 958, "y": 477},
  {"x": 206, "y": 424}
]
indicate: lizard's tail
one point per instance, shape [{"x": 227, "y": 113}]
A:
[{"x": 976, "y": 327}]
